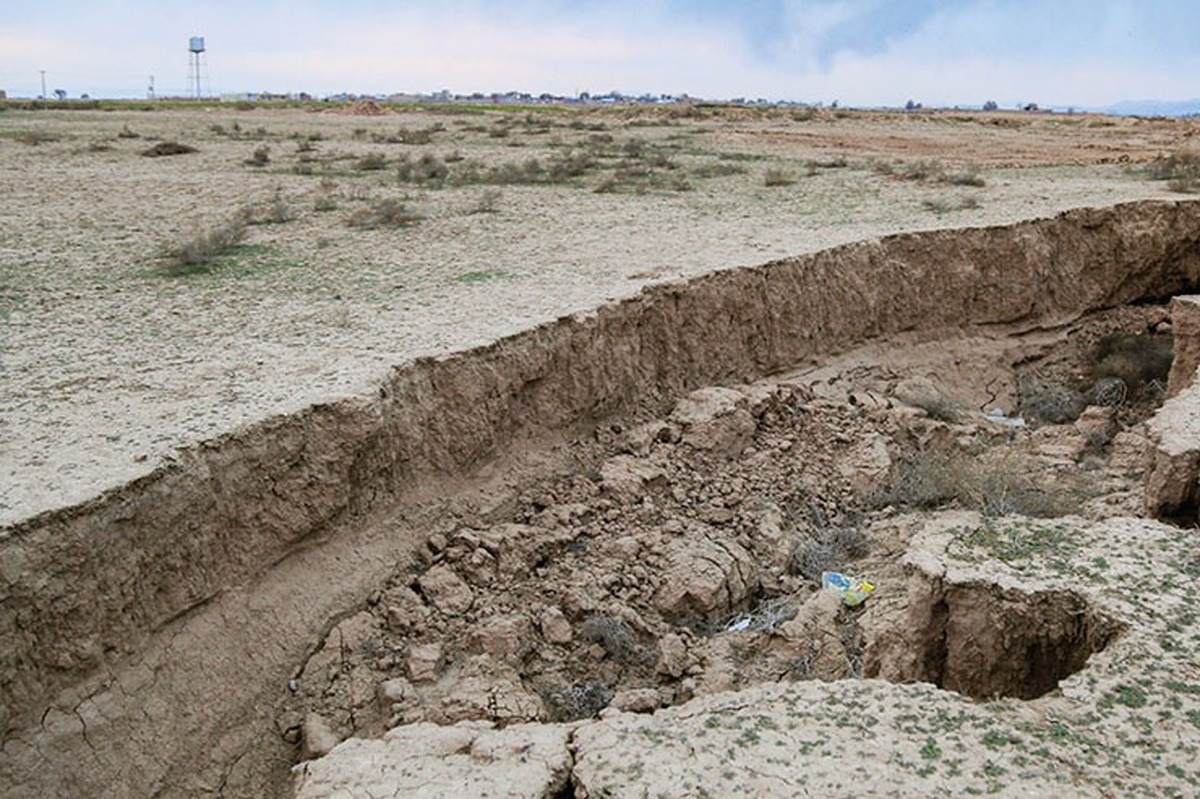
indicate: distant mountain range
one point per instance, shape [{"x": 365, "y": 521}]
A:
[{"x": 1154, "y": 108}]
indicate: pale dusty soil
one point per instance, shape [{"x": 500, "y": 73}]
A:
[{"x": 109, "y": 366}]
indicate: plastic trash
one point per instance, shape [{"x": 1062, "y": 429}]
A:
[
  {"x": 740, "y": 624},
  {"x": 997, "y": 416},
  {"x": 852, "y": 590}
]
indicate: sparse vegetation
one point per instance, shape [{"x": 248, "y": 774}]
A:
[
  {"x": 828, "y": 545},
  {"x": 1181, "y": 171},
  {"x": 992, "y": 483},
  {"x": 945, "y": 205},
  {"x": 575, "y": 702},
  {"x": 198, "y": 253},
  {"x": 371, "y": 162},
  {"x": 386, "y": 213},
  {"x": 778, "y": 177},
  {"x": 260, "y": 157},
  {"x": 1135, "y": 359},
  {"x": 1049, "y": 401},
  {"x": 165, "y": 148},
  {"x": 487, "y": 203}
]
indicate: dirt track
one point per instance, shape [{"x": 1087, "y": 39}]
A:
[{"x": 273, "y": 490}]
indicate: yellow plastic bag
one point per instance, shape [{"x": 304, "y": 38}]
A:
[{"x": 852, "y": 590}]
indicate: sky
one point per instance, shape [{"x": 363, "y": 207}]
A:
[{"x": 1058, "y": 53}]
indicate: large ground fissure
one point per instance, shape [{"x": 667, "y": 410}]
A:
[{"x": 226, "y": 566}]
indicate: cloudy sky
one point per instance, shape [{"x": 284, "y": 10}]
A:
[{"x": 1083, "y": 53}]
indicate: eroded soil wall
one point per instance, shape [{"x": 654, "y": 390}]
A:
[{"x": 220, "y": 568}]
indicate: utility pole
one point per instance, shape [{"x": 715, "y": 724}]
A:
[{"x": 43, "y": 97}]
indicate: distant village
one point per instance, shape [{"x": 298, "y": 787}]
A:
[{"x": 496, "y": 98}]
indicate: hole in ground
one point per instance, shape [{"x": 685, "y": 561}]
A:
[{"x": 985, "y": 641}]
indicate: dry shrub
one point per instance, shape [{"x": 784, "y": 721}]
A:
[
  {"x": 967, "y": 177},
  {"x": 1134, "y": 358},
  {"x": 618, "y": 639},
  {"x": 1049, "y": 401},
  {"x": 168, "y": 148},
  {"x": 198, "y": 253},
  {"x": 260, "y": 157},
  {"x": 718, "y": 169},
  {"x": 828, "y": 548},
  {"x": 992, "y": 483},
  {"x": 275, "y": 211},
  {"x": 371, "y": 162},
  {"x": 428, "y": 169},
  {"x": 574, "y": 702},
  {"x": 384, "y": 213},
  {"x": 487, "y": 203},
  {"x": 1180, "y": 170},
  {"x": 778, "y": 177}
]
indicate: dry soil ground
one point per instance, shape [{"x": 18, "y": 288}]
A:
[{"x": 110, "y": 363}]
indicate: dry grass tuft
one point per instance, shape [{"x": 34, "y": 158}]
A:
[
  {"x": 164, "y": 148},
  {"x": 386, "y": 213}
]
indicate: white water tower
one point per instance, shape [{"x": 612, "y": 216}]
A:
[{"x": 196, "y": 65}]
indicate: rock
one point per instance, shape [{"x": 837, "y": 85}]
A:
[
  {"x": 393, "y": 690},
  {"x": 918, "y": 392},
  {"x": 1098, "y": 421},
  {"x": 815, "y": 636},
  {"x": 446, "y": 591},
  {"x": 487, "y": 689},
  {"x": 423, "y": 661},
  {"x": 1172, "y": 486},
  {"x": 715, "y": 419},
  {"x": 1185, "y": 325},
  {"x": 554, "y": 626},
  {"x": 637, "y": 700},
  {"x": 705, "y": 578},
  {"x": 626, "y": 477},
  {"x": 317, "y": 737},
  {"x": 522, "y": 761},
  {"x": 505, "y": 638},
  {"x": 673, "y": 658},
  {"x": 397, "y": 700},
  {"x": 638, "y": 440},
  {"x": 867, "y": 462},
  {"x": 406, "y": 612},
  {"x": 770, "y": 536}
]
